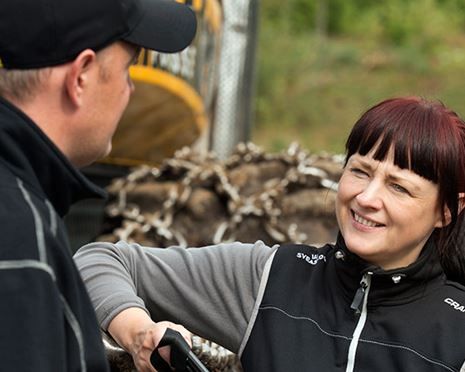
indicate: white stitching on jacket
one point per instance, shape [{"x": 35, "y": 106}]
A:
[
  {"x": 27, "y": 264},
  {"x": 53, "y": 218},
  {"x": 77, "y": 332},
  {"x": 361, "y": 340},
  {"x": 38, "y": 222},
  {"x": 256, "y": 308},
  {"x": 39, "y": 227}
]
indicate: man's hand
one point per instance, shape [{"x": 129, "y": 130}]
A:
[{"x": 135, "y": 331}]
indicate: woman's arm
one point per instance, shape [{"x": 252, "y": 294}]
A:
[
  {"x": 135, "y": 331},
  {"x": 210, "y": 290}
]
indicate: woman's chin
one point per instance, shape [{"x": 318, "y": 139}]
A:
[{"x": 362, "y": 249}]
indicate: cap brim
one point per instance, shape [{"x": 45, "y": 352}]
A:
[{"x": 166, "y": 26}]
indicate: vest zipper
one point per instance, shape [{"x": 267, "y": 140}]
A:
[{"x": 360, "y": 298}]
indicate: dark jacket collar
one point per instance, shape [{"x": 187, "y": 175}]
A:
[
  {"x": 390, "y": 286},
  {"x": 32, "y": 157}
]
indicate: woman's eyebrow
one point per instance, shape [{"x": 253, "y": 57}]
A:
[
  {"x": 362, "y": 162},
  {"x": 397, "y": 178},
  {"x": 404, "y": 180},
  {"x": 392, "y": 175}
]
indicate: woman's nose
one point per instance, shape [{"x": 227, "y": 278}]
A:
[{"x": 370, "y": 196}]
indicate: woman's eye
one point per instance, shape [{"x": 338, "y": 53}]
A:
[
  {"x": 400, "y": 189},
  {"x": 358, "y": 172}
]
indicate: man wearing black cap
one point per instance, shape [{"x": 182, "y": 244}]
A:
[{"x": 64, "y": 84}]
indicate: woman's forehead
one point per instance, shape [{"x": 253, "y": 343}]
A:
[{"x": 388, "y": 168}]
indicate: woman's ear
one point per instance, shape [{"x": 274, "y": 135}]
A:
[
  {"x": 447, "y": 215},
  {"x": 461, "y": 201}
]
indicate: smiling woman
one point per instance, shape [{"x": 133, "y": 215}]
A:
[
  {"x": 376, "y": 206},
  {"x": 385, "y": 297},
  {"x": 410, "y": 153}
]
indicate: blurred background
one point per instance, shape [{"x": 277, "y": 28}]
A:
[
  {"x": 274, "y": 72},
  {"x": 277, "y": 71},
  {"x": 321, "y": 63}
]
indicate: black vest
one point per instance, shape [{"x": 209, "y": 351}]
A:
[{"x": 305, "y": 321}]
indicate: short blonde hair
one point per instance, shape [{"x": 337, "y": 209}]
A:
[{"x": 22, "y": 85}]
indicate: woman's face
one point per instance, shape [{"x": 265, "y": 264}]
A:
[{"x": 385, "y": 213}]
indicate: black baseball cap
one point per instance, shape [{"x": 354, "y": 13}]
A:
[{"x": 41, "y": 33}]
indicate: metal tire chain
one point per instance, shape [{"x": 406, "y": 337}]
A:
[
  {"x": 265, "y": 204},
  {"x": 159, "y": 221},
  {"x": 262, "y": 205},
  {"x": 215, "y": 357}
]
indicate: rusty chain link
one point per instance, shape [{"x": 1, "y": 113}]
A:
[{"x": 193, "y": 167}]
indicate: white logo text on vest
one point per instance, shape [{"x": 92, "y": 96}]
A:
[{"x": 311, "y": 259}]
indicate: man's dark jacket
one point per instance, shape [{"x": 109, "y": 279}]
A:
[{"x": 47, "y": 322}]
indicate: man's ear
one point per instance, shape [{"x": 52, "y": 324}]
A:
[{"x": 79, "y": 75}]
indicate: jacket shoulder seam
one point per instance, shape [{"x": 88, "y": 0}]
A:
[{"x": 260, "y": 295}]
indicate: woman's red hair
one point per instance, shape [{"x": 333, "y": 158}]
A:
[{"x": 428, "y": 139}]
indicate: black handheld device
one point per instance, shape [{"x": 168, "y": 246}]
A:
[{"x": 182, "y": 357}]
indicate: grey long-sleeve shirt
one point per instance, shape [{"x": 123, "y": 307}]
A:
[{"x": 213, "y": 291}]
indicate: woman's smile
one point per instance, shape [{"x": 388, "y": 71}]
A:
[{"x": 364, "y": 222}]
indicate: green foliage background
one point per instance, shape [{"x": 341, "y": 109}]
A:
[{"x": 313, "y": 85}]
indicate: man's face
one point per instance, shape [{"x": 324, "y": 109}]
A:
[{"x": 107, "y": 99}]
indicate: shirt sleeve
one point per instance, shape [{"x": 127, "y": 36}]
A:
[{"x": 210, "y": 290}]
